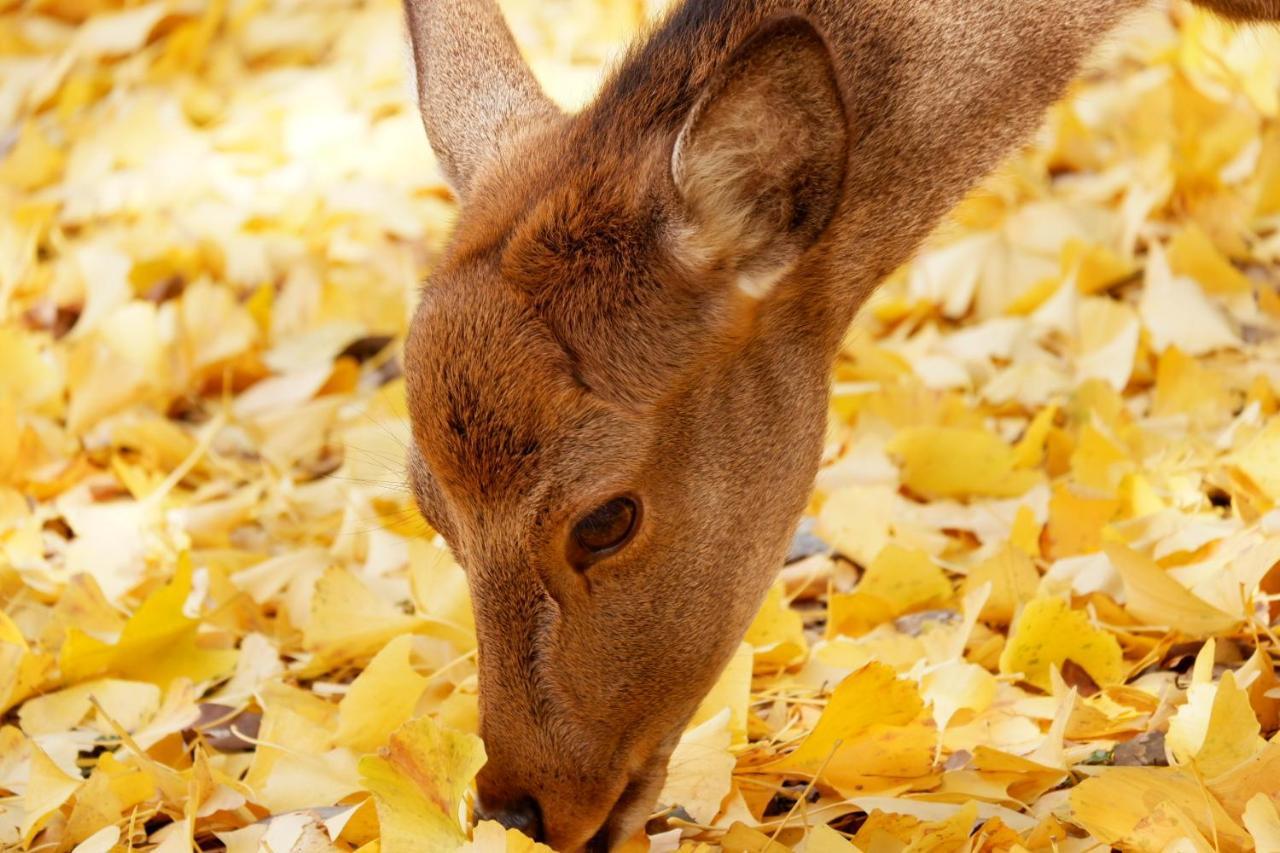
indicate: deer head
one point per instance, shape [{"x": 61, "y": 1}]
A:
[
  {"x": 617, "y": 375},
  {"x": 617, "y": 396}
]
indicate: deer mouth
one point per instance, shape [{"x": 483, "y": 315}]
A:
[
  {"x": 633, "y": 806},
  {"x": 599, "y": 842}
]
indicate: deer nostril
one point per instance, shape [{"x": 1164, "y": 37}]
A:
[{"x": 523, "y": 814}]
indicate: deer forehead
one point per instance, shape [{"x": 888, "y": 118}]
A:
[
  {"x": 488, "y": 388},
  {"x": 498, "y": 415}
]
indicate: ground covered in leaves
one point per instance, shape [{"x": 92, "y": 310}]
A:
[{"x": 1035, "y": 605}]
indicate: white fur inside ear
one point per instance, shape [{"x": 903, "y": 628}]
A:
[{"x": 758, "y": 285}]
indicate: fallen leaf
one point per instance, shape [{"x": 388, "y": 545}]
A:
[
  {"x": 1157, "y": 599},
  {"x": 941, "y": 462},
  {"x": 873, "y": 694},
  {"x": 700, "y": 771},
  {"x": 381, "y": 698},
  {"x": 159, "y": 643},
  {"x": 419, "y": 784},
  {"x": 1049, "y": 632}
]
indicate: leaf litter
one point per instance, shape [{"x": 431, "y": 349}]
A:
[{"x": 1042, "y": 611}]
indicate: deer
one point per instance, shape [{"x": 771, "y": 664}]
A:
[{"x": 617, "y": 374}]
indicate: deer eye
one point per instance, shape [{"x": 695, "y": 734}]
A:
[{"x": 603, "y": 530}]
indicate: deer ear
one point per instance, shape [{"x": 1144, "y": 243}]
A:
[
  {"x": 761, "y": 158},
  {"x": 474, "y": 88}
]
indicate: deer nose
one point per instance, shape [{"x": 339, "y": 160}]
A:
[{"x": 522, "y": 814}]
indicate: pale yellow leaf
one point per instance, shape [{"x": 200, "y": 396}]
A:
[{"x": 1157, "y": 599}]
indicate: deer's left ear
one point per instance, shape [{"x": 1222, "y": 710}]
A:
[
  {"x": 760, "y": 161},
  {"x": 474, "y": 88}
]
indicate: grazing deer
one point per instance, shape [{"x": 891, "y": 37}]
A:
[{"x": 618, "y": 374}]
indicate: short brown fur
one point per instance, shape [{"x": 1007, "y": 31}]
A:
[{"x": 645, "y": 298}]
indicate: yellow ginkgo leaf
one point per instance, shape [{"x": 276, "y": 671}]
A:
[
  {"x": 873, "y": 694},
  {"x": 1157, "y": 599},
  {"x": 948, "y": 462},
  {"x": 1077, "y": 518},
  {"x": 732, "y": 691},
  {"x": 1013, "y": 578},
  {"x": 1176, "y": 312},
  {"x": 1238, "y": 785},
  {"x": 22, "y": 671},
  {"x": 955, "y": 686},
  {"x": 1147, "y": 808},
  {"x": 947, "y": 834},
  {"x": 419, "y": 784},
  {"x": 1030, "y": 449},
  {"x": 1263, "y": 822},
  {"x": 1049, "y": 632},
  {"x": 1216, "y": 729},
  {"x": 1259, "y": 460},
  {"x": 743, "y": 839},
  {"x": 824, "y": 839},
  {"x": 1095, "y": 267},
  {"x": 33, "y": 162},
  {"x": 30, "y": 380},
  {"x": 899, "y": 580},
  {"x": 777, "y": 633},
  {"x": 381, "y": 698},
  {"x": 129, "y": 703},
  {"x": 1193, "y": 254},
  {"x": 1099, "y": 462},
  {"x": 855, "y": 520},
  {"x": 48, "y": 787},
  {"x": 489, "y": 836},
  {"x": 296, "y": 765},
  {"x": 1108, "y": 341},
  {"x": 1186, "y": 387},
  {"x": 349, "y": 621},
  {"x": 158, "y": 644},
  {"x": 439, "y": 588},
  {"x": 700, "y": 771}
]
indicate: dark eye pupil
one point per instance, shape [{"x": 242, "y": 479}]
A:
[{"x": 607, "y": 526}]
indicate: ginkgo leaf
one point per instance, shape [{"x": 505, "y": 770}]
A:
[
  {"x": 1049, "y": 632},
  {"x": 898, "y": 581},
  {"x": 824, "y": 839},
  {"x": 1176, "y": 312},
  {"x": 1260, "y": 460},
  {"x": 349, "y": 621},
  {"x": 1157, "y": 599},
  {"x": 489, "y": 836},
  {"x": 777, "y": 632},
  {"x": 955, "y": 686},
  {"x": 1216, "y": 730},
  {"x": 1013, "y": 580},
  {"x": 381, "y": 698},
  {"x": 22, "y": 671},
  {"x": 732, "y": 691},
  {"x": 129, "y": 703},
  {"x": 48, "y": 787},
  {"x": 1146, "y": 808},
  {"x": 419, "y": 784},
  {"x": 873, "y": 694},
  {"x": 1263, "y": 822},
  {"x": 951, "y": 462},
  {"x": 1108, "y": 341},
  {"x": 700, "y": 770},
  {"x": 159, "y": 642}
]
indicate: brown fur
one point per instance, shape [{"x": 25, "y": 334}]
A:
[{"x": 587, "y": 335}]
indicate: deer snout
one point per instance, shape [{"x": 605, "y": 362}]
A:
[{"x": 567, "y": 819}]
